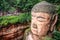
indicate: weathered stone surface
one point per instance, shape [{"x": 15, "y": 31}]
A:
[{"x": 13, "y": 32}]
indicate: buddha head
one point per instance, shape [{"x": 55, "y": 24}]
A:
[{"x": 44, "y": 18}]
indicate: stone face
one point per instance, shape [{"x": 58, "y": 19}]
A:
[{"x": 42, "y": 22}]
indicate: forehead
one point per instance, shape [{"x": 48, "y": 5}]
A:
[{"x": 41, "y": 14}]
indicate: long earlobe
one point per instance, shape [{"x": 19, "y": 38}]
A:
[{"x": 55, "y": 17}]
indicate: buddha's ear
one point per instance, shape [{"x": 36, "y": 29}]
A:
[{"x": 54, "y": 20}]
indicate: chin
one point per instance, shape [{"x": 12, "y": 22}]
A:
[{"x": 43, "y": 34}]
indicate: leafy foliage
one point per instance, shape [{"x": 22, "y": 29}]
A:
[
  {"x": 54, "y": 1},
  {"x": 24, "y": 5},
  {"x": 22, "y": 18},
  {"x": 4, "y": 6},
  {"x": 56, "y": 35}
]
